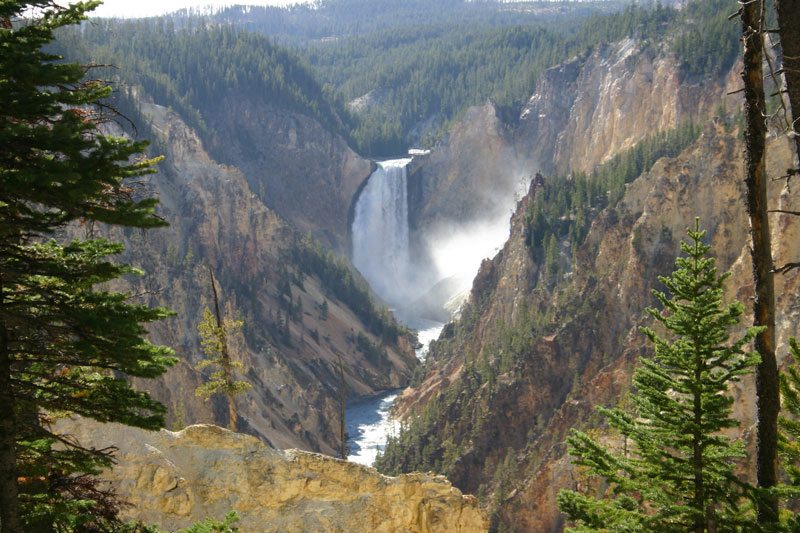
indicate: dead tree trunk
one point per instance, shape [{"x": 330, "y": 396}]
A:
[
  {"x": 342, "y": 409},
  {"x": 232, "y": 417},
  {"x": 768, "y": 401},
  {"x": 789, "y": 31}
]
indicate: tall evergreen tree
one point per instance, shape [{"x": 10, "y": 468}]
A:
[
  {"x": 679, "y": 475},
  {"x": 67, "y": 342}
]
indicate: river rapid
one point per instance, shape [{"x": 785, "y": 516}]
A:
[{"x": 368, "y": 422}]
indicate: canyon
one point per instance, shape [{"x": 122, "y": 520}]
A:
[
  {"x": 538, "y": 357},
  {"x": 326, "y": 254},
  {"x": 269, "y": 274}
]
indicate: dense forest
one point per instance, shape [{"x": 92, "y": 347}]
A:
[
  {"x": 383, "y": 90},
  {"x": 330, "y": 20},
  {"x": 193, "y": 69},
  {"x": 406, "y": 86}
]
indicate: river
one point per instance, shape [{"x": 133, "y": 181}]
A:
[
  {"x": 368, "y": 422},
  {"x": 382, "y": 252}
]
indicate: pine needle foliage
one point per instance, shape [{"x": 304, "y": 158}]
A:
[
  {"x": 789, "y": 438},
  {"x": 214, "y": 336},
  {"x": 679, "y": 473},
  {"x": 67, "y": 342}
]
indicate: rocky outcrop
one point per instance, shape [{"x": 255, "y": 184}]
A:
[
  {"x": 175, "y": 479},
  {"x": 290, "y": 348},
  {"x": 594, "y": 106},
  {"x": 471, "y": 176}
]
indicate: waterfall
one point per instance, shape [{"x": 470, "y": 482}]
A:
[{"x": 380, "y": 231}]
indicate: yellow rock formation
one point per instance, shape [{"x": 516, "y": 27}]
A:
[{"x": 173, "y": 479}]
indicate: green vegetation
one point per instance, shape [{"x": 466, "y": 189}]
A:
[
  {"x": 214, "y": 335},
  {"x": 789, "y": 439},
  {"x": 197, "y": 70},
  {"x": 342, "y": 283},
  {"x": 332, "y": 20},
  {"x": 422, "y": 77},
  {"x": 209, "y": 525},
  {"x": 707, "y": 44},
  {"x": 420, "y": 69},
  {"x": 563, "y": 208},
  {"x": 422, "y": 74},
  {"x": 374, "y": 353},
  {"x": 678, "y": 471},
  {"x": 67, "y": 342}
]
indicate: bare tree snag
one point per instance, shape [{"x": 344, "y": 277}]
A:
[
  {"x": 789, "y": 32},
  {"x": 342, "y": 409},
  {"x": 767, "y": 387}
]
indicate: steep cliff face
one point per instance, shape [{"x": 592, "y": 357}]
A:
[
  {"x": 300, "y": 315},
  {"x": 582, "y": 113},
  {"x": 175, "y": 479},
  {"x": 525, "y": 363},
  {"x": 704, "y": 181},
  {"x": 302, "y": 171},
  {"x": 467, "y": 176},
  {"x": 592, "y": 107}
]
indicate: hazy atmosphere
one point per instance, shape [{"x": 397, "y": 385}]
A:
[{"x": 150, "y": 8}]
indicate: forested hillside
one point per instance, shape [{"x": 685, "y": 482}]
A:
[
  {"x": 194, "y": 68},
  {"x": 329, "y": 20},
  {"x": 400, "y": 78},
  {"x": 407, "y": 85},
  {"x": 254, "y": 105},
  {"x": 621, "y": 117}
]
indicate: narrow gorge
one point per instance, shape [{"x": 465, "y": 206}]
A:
[{"x": 433, "y": 228}]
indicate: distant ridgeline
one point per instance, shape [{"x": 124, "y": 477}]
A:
[
  {"x": 194, "y": 69},
  {"x": 415, "y": 67}
]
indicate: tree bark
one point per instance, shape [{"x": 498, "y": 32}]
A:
[
  {"x": 232, "y": 417},
  {"x": 9, "y": 499},
  {"x": 789, "y": 31},
  {"x": 767, "y": 388}
]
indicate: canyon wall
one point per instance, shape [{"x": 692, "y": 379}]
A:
[
  {"x": 301, "y": 170},
  {"x": 527, "y": 360},
  {"x": 276, "y": 280}
]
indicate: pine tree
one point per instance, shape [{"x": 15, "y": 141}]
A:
[
  {"x": 67, "y": 342},
  {"x": 789, "y": 438},
  {"x": 679, "y": 475},
  {"x": 214, "y": 334}
]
